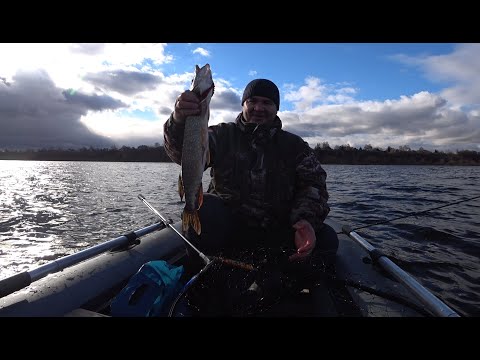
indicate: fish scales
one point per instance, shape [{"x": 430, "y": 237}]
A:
[{"x": 195, "y": 150}]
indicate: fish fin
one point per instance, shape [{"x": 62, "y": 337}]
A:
[
  {"x": 200, "y": 196},
  {"x": 191, "y": 218},
  {"x": 197, "y": 226},
  {"x": 181, "y": 190}
]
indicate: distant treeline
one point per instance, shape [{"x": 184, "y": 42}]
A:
[
  {"x": 142, "y": 153},
  {"x": 343, "y": 154},
  {"x": 368, "y": 155}
]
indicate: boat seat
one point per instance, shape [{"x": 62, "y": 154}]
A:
[{"x": 84, "y": 313}]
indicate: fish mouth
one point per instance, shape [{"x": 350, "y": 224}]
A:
[{"x": 202, "y": 96}]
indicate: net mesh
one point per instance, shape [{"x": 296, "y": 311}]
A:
[
  {"x": 278, "y": 287},
  {"x": 228, "y": 290}
]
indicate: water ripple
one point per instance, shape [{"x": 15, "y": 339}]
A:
[{"x": 51, "y": 209}]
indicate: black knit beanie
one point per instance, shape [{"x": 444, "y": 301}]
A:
[{"x": 262, "y": 87}]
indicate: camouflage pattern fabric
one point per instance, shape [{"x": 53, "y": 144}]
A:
[{"x": 271, "y": 177}]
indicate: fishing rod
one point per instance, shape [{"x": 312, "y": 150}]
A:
[
  {"x": 204, "y": 257},
  {"x": 208, "y": 261},
  {"x": 23, "y": 279},
  {"x": 414, "y": 214}
]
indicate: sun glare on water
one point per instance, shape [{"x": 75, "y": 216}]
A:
[{"x": 27, "y": 216}]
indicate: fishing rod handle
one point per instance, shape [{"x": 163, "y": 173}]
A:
[{"x": 236, "y": 263}]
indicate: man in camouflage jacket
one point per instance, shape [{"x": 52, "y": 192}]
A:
[{"x": 268, "y": 181}]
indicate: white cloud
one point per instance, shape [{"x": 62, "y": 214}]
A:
[
  {"x": 460, "y": 71},
  {"x": 201, "y": 51},
  {"x": 422, "y": 119},
  {"x": 315, "y": 92},
  {"x": 108, "y": 83}
]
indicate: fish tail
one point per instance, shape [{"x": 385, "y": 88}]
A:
[{"x": 191, "y": 218}]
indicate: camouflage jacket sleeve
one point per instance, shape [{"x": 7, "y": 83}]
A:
[
  {"x": 173, "y": 139},
  {"x": 311, "y": 196}
]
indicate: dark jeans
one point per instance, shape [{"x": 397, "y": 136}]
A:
[{"x": 222, "y": 231}]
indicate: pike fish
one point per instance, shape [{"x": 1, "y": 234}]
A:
[{"x": 195, "y": 151}]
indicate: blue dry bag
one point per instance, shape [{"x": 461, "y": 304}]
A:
[{"x": 150, "y": 291}]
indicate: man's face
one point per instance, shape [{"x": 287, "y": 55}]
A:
[{"x": 259, "y": 110}]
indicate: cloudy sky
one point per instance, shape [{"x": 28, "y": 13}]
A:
[{"x": 100, "y": 95}]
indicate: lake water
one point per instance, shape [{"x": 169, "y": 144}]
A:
[{"x": 49, "y": 209}]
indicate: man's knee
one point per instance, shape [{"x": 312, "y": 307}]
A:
[
  {"x": 216, "y": 222},
  {"x": 327, "y": 244},
  {"x": 327, "y": 239}
]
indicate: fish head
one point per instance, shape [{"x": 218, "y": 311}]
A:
[{"x": 202, "y": 82}]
